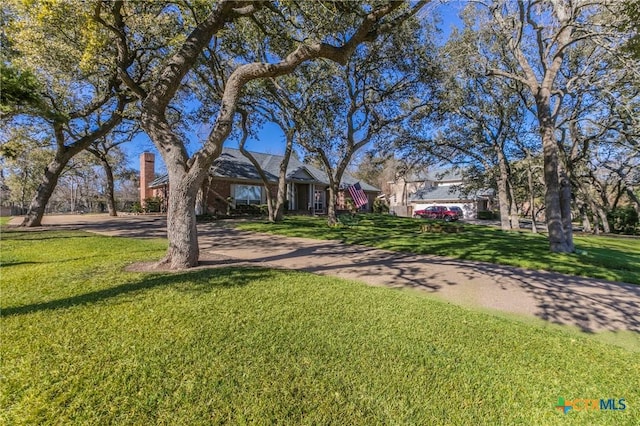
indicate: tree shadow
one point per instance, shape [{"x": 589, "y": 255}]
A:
[
  {"x": 589, "y": 304},
  {"x": 37, "y": 234},
  {"x": 10, "y": 264},
  {"x": 199, "y": 281}
]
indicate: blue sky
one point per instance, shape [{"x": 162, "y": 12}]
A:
[{"x": 270, "y": 139}]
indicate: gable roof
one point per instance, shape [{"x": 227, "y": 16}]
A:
[
  {"x": 232, "y": 164},
  {"x": 447, "y": 193}
]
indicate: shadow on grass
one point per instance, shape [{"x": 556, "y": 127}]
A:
[
  {"x": 9, "y": 264},
  {"x": 472, "y": 242},
  {"x": 200, "y": 281},
  {"x": 37, "y": 235},
  {"x": 588, "y": 304}
]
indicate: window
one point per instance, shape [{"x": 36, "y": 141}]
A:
[{"x": 248, "y": 194}]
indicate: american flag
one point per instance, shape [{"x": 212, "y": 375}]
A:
[{"x": 358, "y": 195}]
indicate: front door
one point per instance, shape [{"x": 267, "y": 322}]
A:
[
  {"x": 302, "y": 197},
  {"x": 319, "y": 200}
]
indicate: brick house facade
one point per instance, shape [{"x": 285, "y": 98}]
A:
[{"x": 233, "y": 180}]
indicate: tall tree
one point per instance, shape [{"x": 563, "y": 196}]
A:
[
  {"x": 107, "y": 152},
  {"x": 478, "y": 123},
  {"x": 538, "y": 36},
  {"x": 362, "y": 103},
  {"x": 269, "y": 104},
  {"x": 23, "y": 156},
  {"x": 81, "y": 96},
  {"x": 312, "y": 22}
]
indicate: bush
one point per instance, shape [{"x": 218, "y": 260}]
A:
[
  {"x": 380, "y": 206},
  {"x": 152, "y": 205},
  {"x": 350, "y": 205},
  {"x": 486, "y": 215},
  {"x": 136, "y": 207},
  {"x": 624, "y": 220},
  {"x": 250, "y": 209}
]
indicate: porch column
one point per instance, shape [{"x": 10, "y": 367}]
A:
[
  {"x": 312, "y": 194},
  {"x": 290, "y": 198}
]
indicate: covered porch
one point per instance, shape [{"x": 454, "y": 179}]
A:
[{"x": 307, "y": 197}]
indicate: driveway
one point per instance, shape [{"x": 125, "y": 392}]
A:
[{"x": 589, "y": 304}]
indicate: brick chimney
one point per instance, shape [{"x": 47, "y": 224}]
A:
[{"x": 147, "y": 175}]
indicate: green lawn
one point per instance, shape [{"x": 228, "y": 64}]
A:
[
  {"x": 615, "y": 259},
  {"x": 84, "y": 342}
]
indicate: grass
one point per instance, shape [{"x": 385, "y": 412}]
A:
[
  {"x": 609, "y": 258},
  {"x": 84, "y": 342},
  {"x": 5, "y": 219}
]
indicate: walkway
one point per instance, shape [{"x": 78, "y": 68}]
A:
[{"x": 592, "y": 305}]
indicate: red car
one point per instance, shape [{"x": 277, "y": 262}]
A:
[{"x": 436, "y": 212}]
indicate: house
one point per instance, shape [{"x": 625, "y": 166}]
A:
[
  {"x": 419, "y": 190},
  {"x": 235, "y": 181}
]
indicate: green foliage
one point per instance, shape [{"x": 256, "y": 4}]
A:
[
  {"x": 136, "y": 207},
  {"x": 624, "y": 220},
  {"x": 25, "y": 160},
  {"x": 348, "y": 219},
  {"x": 84, "y": 342},
  {"x": 612, "y": 259},
  {"x": 631, "y": 23},
  {"x": 350, "y": 205},
  {"x": 19, "y": 89},
  {"x": 486, "y": 215},
  {"x": 380, "y": 206},
  {"x": 152, "y": 205},
  {"x": 250, "y": 209}
]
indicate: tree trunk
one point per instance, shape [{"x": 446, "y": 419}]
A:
[
  {"x": 183, "y": 251},
  {"x": 532, "y": 195},
  {"x": 281, "y": 197},
  {"x": 503, "y": 203},
  {"x": 111, "y": 199},
  {"x": 515, "y": 216},
  {"x": 633, "y": 197},
  {"x": 584, "y": 214},
  {"x": 506, "y": 200},
  {"x": 559, "y": 242},
  {"x": 271, "y": 205},
  {"x": 602, "y": 214},
  {"x": 332, "y": 219},
  {"x": 45, "y": 189}
]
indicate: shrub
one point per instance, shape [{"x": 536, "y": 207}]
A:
[
  {"x": 380, "y": 206},
  {"x": 350, "y": 205},
  {"x": 136, "y": 207},
  {"x": 249, "y": 209},
  {"x": 152, "y": 204},
  {"x": 486, "y": 215},
  {"x": 623, "y": 220}
]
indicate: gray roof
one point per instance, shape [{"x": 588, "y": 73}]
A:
[
  {"x": 232, "y": 164},
  {"x": 447, "y": 193}
]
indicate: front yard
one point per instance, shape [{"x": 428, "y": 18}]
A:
[
  {"x": 84, "y": 342},
  {"x": 610, "y": 258}
]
